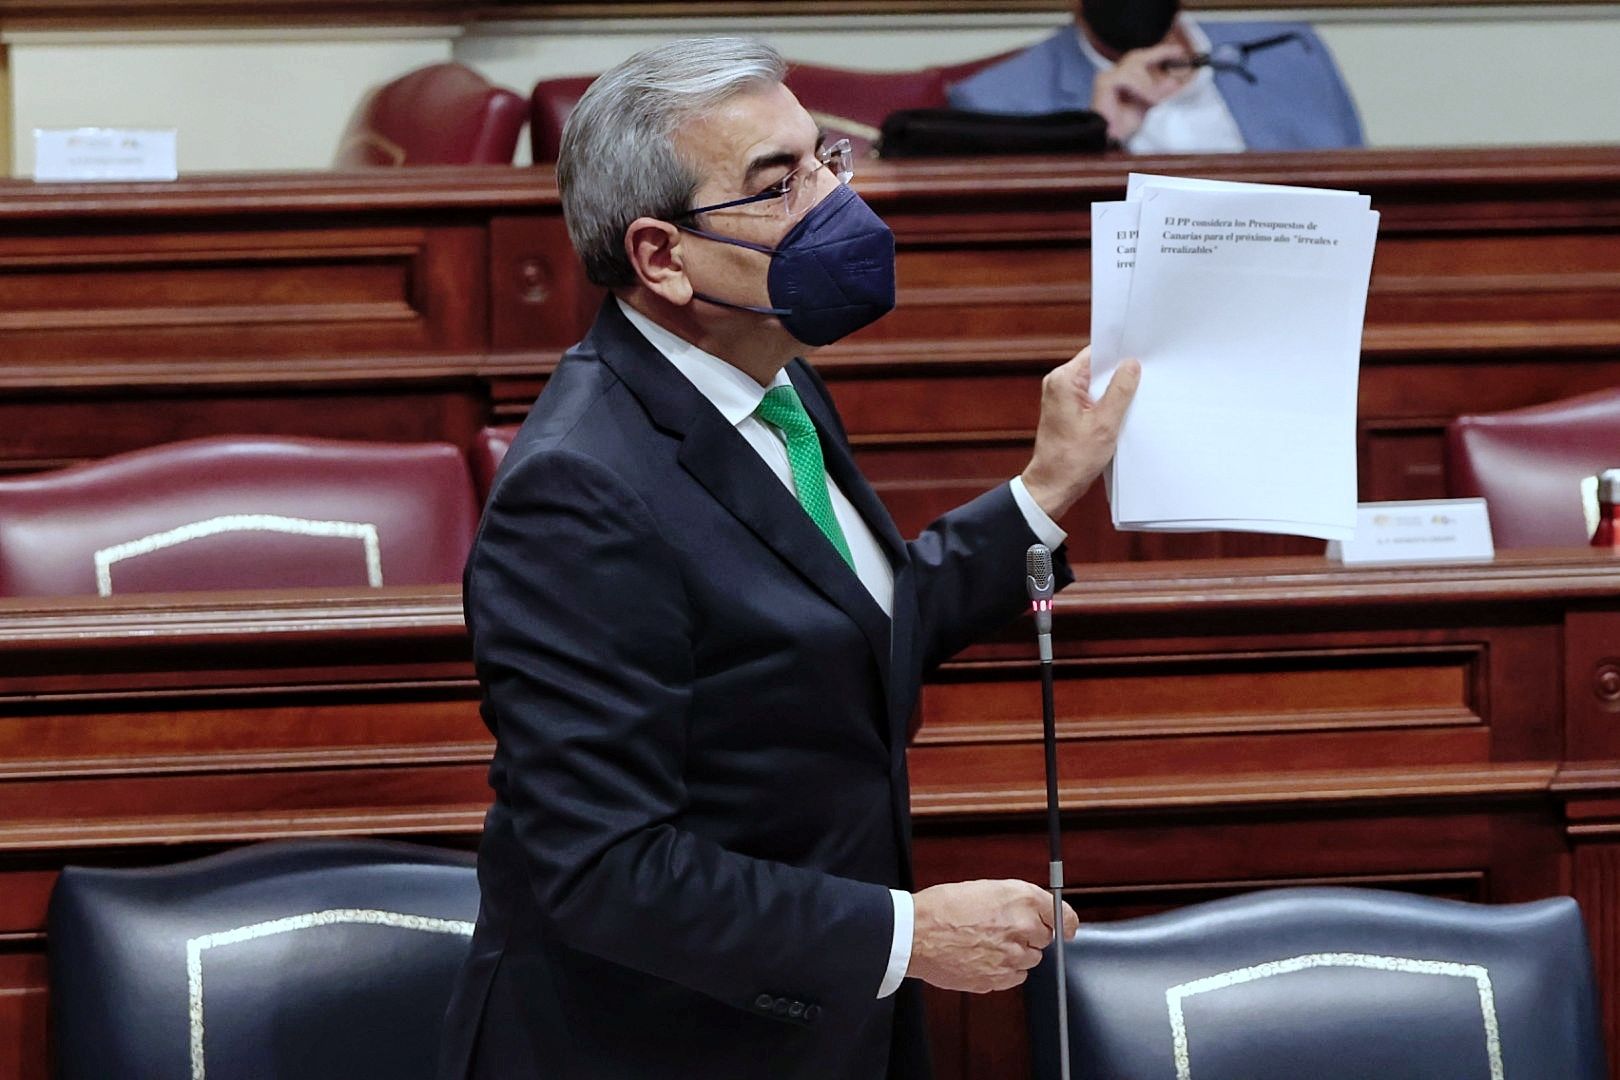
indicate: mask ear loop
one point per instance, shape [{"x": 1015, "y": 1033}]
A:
[
  {"x": 707, "y": 299},
  {"x": 734, "y": 242}
]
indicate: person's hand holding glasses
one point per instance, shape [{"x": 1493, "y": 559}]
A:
[
  {"x": 1232, "y": 57},
  {"x": 1123, "y": 94}
]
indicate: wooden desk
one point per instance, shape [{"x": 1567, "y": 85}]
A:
[
  {"x": 1230, "y": 725},
  {"x": 423, "y": 303},
  {"x": 1226, "y": 725}
]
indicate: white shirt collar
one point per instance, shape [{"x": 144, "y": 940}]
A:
[
  {"x": 1190, "y": 30},
  {"x": 728, "y": 388}
]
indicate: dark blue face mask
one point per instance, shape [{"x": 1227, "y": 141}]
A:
[{"x": 832, "y": 274}]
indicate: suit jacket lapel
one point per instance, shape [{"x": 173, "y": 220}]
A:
[
  {"x": 841, "y": 467},
  {"x": 722, "y": 461}
]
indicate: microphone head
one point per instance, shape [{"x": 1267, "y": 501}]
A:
[{"x": 1038, "y": 571}]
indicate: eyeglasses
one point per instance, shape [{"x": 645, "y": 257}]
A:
[
  {"x": 797, "y": 188},
  {"x": 1233, "y": 57}
]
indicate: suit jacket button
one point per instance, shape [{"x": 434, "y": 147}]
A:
[
  {"x": 812, "y": 1013},
  {"x": 764, "y": 1001},
  {"x": 780, "y": 1007},
  {"x": 796, "y": 1010}
]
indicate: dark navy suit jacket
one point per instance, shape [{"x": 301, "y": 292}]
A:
[
  {"x": 700, "y": 717},
  {"x": 1298, "y": 101}
]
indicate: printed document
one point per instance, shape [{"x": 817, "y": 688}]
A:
[{"x": 1244, "y": 304}]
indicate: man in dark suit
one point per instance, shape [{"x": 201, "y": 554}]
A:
[{"x": 700, "y": 636}]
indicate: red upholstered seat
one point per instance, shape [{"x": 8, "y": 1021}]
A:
[
  {"x": 239, "y": 513},
  {"x": 1529, "y": 464},
  {"x": 489, "y": 449},
  {"x": 850, "y": 104},
  {"x": 549, "y": 106},
  {"x": 853, "y": 104},
  {"x": 444, "y": 114}
]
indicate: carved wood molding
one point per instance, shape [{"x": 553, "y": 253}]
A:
[
  {"x": 98, "y": 15},
  {"x": 396, "y": 371},
  {"x": 250, "y": 620},
  {"x": 1473, "y": 783},
  {"x": 244, "y": 619},
  {"x": 430, "y": 188},
  {"x": 240, "y": 828},
  {"x": 632, "y": 9},
  {"x": 23, "y": 15},
  {"x": 236, "y": 764},
  {"x": 241, "y": 619},
  {"x": 101, "y": 15},
  {"x": 1301, "y": 583},
  {"x": 1443, "y": 190}
]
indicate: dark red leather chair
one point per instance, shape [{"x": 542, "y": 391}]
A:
[
  {"x": 239, "y": 513},
  {"x": 848, "y": 104},
  {"x": 489, "y": 449},
  {"x": 1530, "y": 463},
  {"x": 444, "y": 114},
  {"x": 853, "y": 104},
  {"x": 549, "y": 106}
]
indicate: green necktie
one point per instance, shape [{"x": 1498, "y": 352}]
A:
[{"x": 782, "y": 410}]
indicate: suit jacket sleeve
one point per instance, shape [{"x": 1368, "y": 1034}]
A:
[
  {"x": 967, "y": 568},
  {"x": 969, "y": 572},
  {"x": 583, "y": 639}
]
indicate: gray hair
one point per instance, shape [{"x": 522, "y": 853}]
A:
[{"x": 618, "y": 161}]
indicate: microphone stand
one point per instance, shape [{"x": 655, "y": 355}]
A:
[{"x": 1040, "y": 581}]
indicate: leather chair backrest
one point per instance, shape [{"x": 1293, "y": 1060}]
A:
[
  {"x": 488, "y": 451},
  {"x": 249, "y": 512},
  {"x": 299, "y": 960},
  {"x": 443, "y": 114},
  {"x": 1331, "y": 984},
  {"x": 1529, "y": 464},
  {"x": 853, "y": 104},
  {"x": 549, "y": 105},
  {"x": 847, "y": 103}
]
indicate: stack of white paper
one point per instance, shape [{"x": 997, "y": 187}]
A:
[{"x": 1244, "y": 303}]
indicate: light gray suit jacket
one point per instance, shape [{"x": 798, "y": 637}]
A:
[{"x": 1298, "y": 101}]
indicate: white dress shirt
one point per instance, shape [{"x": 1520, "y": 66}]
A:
[
  {"x": 1193, "y": 120},
  {"x": 736, "y": 395}
]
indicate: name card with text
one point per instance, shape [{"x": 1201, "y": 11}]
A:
[
  {"x": 1436, "y": 530},
  {"x": 104, "y": 154}
]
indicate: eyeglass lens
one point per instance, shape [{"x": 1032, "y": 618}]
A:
[{"x": 837, "y": 158}]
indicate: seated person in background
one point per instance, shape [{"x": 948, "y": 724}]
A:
[{"x": 1133, "y": 61}]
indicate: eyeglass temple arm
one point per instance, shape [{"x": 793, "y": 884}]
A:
[{"x": 1276, "y": 39}]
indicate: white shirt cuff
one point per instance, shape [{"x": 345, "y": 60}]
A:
[
  {"x": 900, "y": 948},
  {"x": 1045, "y": 529}
]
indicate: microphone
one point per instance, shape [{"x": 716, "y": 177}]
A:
[
  {"x": 1041, "y": 582},
  {"x": 1038, "y": 578}
]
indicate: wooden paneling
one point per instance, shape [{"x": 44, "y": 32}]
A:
[
  {"x": 1597, "y": 867},
  {"x": 22, "y": 1015},
  {"x": 150, "y": 14},
  {"x": 147, "y": 14},
  {"x": 287, "y": 293},
  {"x": 1224, "y": 726},
  {"x": 422, "y": 303}
]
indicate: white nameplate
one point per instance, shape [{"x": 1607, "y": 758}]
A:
[
  {"x": 1436, "y": 530},
  {"x": 104, "y": 154}
]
